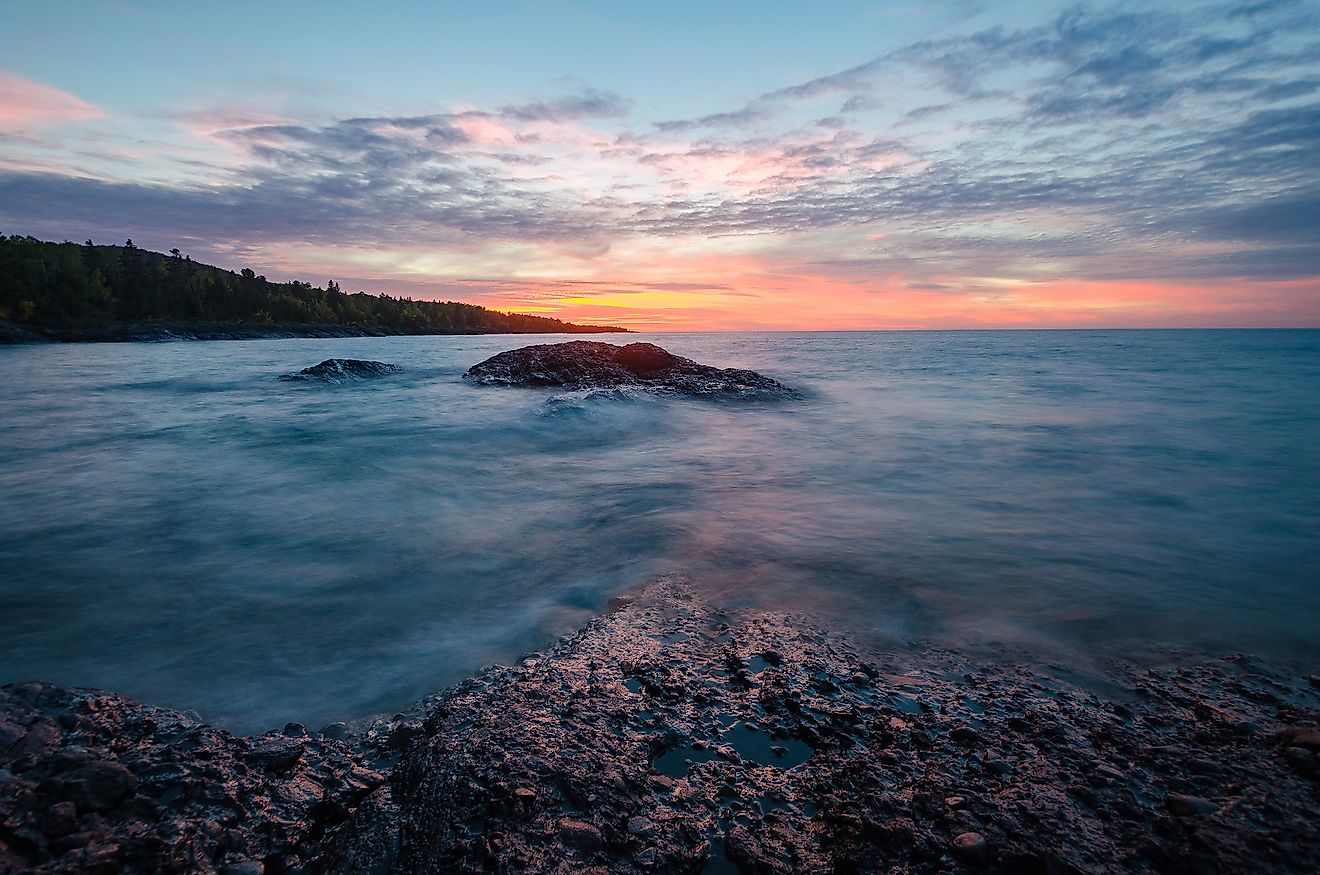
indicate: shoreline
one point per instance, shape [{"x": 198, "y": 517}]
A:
[
  {"x": 670, "y": 735},
  {"x": 164, "y": 331}
]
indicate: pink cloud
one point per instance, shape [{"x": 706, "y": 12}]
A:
[{"x": 26, "y": 103}]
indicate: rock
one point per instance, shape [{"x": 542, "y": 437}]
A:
[
  {"x": 971, "y": 846},
  {"x": 61, "y": 820},
  {"x": 295, "y": 730},
  {"x": 1299, "y": 736},
  {"x": 100, "y": 786},
  {"x": 123, "y": 786},
  {"x": 588, "y": 364},
  {"x": 404, "y": 734},
  {"x": 239, "y": 865},
  {"x": 277, "y": 754},
  {"x": 343, "y": 370},
  {"x": 581, "y": 835},
  {"x": 1186, "y": 806},
  {"x": 552, "y": 765},
  {"x": 642, "y": 827},
  {"x": 336, "y": 731},
  {"x": 965, "y": 735}
]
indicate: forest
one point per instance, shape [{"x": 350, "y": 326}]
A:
[{"x": 46, "y": 285}]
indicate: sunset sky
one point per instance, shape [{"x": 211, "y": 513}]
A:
[{"x": 677, "y": 165}]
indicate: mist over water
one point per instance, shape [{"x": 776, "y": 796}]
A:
[{"x": 178, "y": 525}]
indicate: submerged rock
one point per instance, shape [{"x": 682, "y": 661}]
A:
[
  {"x": 343, "y": 370},
  {"x": 587, "y": 364}
]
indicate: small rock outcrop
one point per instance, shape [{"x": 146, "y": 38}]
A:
[
  {"x": 344, "y": 370},
  {"x": 587, "y": 364}
]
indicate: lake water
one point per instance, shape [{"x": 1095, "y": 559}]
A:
[{"x": 179, "y": 525}]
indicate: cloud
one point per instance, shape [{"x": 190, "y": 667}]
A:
[
  {"x": 1103, "y": 143},
  {"x": 590, "y": 103},
  {"x": 26, "y": 103}
]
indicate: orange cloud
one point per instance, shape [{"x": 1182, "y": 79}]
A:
[{"x": 25, "y": 103}]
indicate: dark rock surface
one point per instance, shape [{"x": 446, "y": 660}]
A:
[
  {"x": 93, "y": 782},
  {"x": 672, "y": 736},
  {"x": 588, "y": 364},
  {"x": 344, "y": 370}
]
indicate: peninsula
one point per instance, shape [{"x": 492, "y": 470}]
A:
[{"x": 89, "y": 292}]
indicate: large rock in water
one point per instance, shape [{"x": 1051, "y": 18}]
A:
[
  {"x": 587, "y": 364},
  {"x": 343, "y": 370}
]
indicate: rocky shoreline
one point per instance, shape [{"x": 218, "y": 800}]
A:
[{"x": 671, "y": 735}]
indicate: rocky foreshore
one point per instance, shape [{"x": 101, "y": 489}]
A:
[{"x": 673, "y": 736}]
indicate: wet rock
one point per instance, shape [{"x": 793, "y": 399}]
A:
[
  {"x": 338, "y": 731},
  {"x": 642, "y": 827},
  {"x": 1186, "y": 806},
  {"x": 1299, "y": 736},
  {"x": 876, "y": 786},
  {"x": 588, "y": 364},
  {"x": 581, "y": 835},
  {"x": 965, "y": 735},
  {"x": 277, "y": 754},
  {"x": 971, "y": 846},
  {"x": 125, "y": 787},
  {"x": 242, "y": 866},
  {"x": 554, "y": 765},
  {"x": 61, "y": 820},
  {"x": 343, "y": 371},
  {"x": 99, "y": 786}
]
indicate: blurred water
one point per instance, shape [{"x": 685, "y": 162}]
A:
[{"x": 177, "y": 524}]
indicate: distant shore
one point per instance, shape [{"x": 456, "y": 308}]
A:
[
  {"x": 672, "y": 735},
  {"x": 138, "y": 332}
]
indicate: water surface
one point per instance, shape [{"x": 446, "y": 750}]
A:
[{"x": 177, "y": 524}]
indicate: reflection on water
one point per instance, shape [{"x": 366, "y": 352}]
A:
[{"x": 178, "y": 524}]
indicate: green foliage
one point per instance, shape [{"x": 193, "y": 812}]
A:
[{"x": 60, "y": 285}]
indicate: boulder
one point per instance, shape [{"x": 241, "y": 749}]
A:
[
  {"x": 343, "y": 370},
  {"x": 587, "y": 364}
]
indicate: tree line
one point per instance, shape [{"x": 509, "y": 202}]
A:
[{"x": 58, "y": 285}]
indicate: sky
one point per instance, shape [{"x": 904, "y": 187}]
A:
[{"x": 694, "y": 166}]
